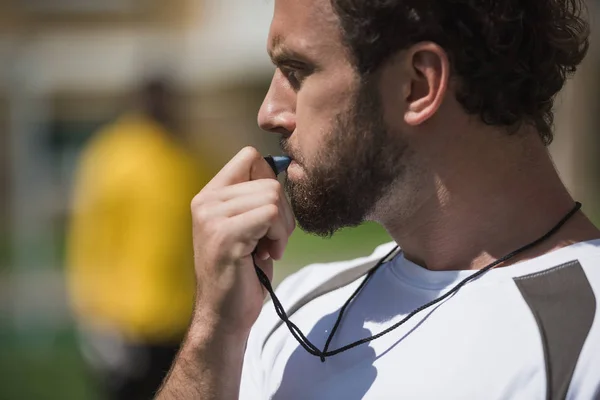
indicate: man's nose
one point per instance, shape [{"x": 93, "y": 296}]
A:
[{"x": 278, "y": 111}]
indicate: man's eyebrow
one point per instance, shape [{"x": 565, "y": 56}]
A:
[{"x": 280, "y": 53}]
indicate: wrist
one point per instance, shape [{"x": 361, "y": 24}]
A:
[
  {"x": 208, "y": 365},
  {"x": 221, "y": 352},
  {"x": 208, "y": 332}
]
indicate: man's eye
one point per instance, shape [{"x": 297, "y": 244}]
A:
[{"x": 293, "y": 76}]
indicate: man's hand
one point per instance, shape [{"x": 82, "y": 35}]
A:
[{"x": 242, "y": 209}]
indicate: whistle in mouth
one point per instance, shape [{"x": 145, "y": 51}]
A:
[{"x": 278, "y": 164}]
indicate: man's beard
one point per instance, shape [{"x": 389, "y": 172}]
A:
[{"x": 359, "y": 161}]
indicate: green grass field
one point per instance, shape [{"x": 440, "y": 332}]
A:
[{"x": 31, "y": 368}]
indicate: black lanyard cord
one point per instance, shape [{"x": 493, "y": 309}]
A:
[{"x": 312, "y": 349}]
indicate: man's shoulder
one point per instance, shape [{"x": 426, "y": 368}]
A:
[
  {"x": 581, "y": 280},
  {"x": 583, "y": 256},
  {"x": 562, "y": 288}
]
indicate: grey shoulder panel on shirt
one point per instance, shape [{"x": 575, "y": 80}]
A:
[{"x": 564, "y": 305}]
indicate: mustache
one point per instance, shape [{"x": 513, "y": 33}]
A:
[{"x": 286, "y": 148}]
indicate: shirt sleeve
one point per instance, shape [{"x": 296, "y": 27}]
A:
[
  {"x": 256, "y": 371},
  {"x": 585, "y": 383},
  {"x": 250, "y": 386}
]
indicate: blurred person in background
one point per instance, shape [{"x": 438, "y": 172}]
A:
[{"x": 129, "y": 249}]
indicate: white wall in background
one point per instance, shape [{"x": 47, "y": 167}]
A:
[{"x": 224, "y": 41}]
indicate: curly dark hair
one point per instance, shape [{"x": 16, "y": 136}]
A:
[{"x": 511, "y": 57}]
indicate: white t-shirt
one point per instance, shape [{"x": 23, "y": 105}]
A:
[{"x": 481, "y": 343}]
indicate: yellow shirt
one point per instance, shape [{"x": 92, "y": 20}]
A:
[{"x": 130, "y": 256}]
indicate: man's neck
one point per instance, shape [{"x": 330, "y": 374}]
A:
[{"x": 486, "y": 208}]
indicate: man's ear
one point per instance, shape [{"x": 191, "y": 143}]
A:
[{"x": 425, "y": 89}]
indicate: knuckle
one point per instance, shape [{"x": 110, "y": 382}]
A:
[
  {"x": 199, "y": 199},
  {"x": 271, "y": 212},
  {"x": 275, "y": 185},
  {"x": 202, "y": 214},
  {"x": 238, "y": 250},
  {"x": 273, "y": 196},
  {"x": 249, "y": 153},
  {"x": 196, "y": 201}
]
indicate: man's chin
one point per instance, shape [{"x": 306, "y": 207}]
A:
[
  {"x": 309, "y": 216},
  {"x": 309, "y": 226},
  {"x": 319, "y": 221}
]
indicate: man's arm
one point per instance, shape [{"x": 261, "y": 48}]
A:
[
  {"x": 242, "y": 209},
  {"x": 208, "y": 367}
]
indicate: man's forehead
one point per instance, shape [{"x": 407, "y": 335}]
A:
[
  {"x": 302, "y": 24},
  {"x": 309, "y": 8}
]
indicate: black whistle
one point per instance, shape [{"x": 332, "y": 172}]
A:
[{"x": 278, "y": 164}]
